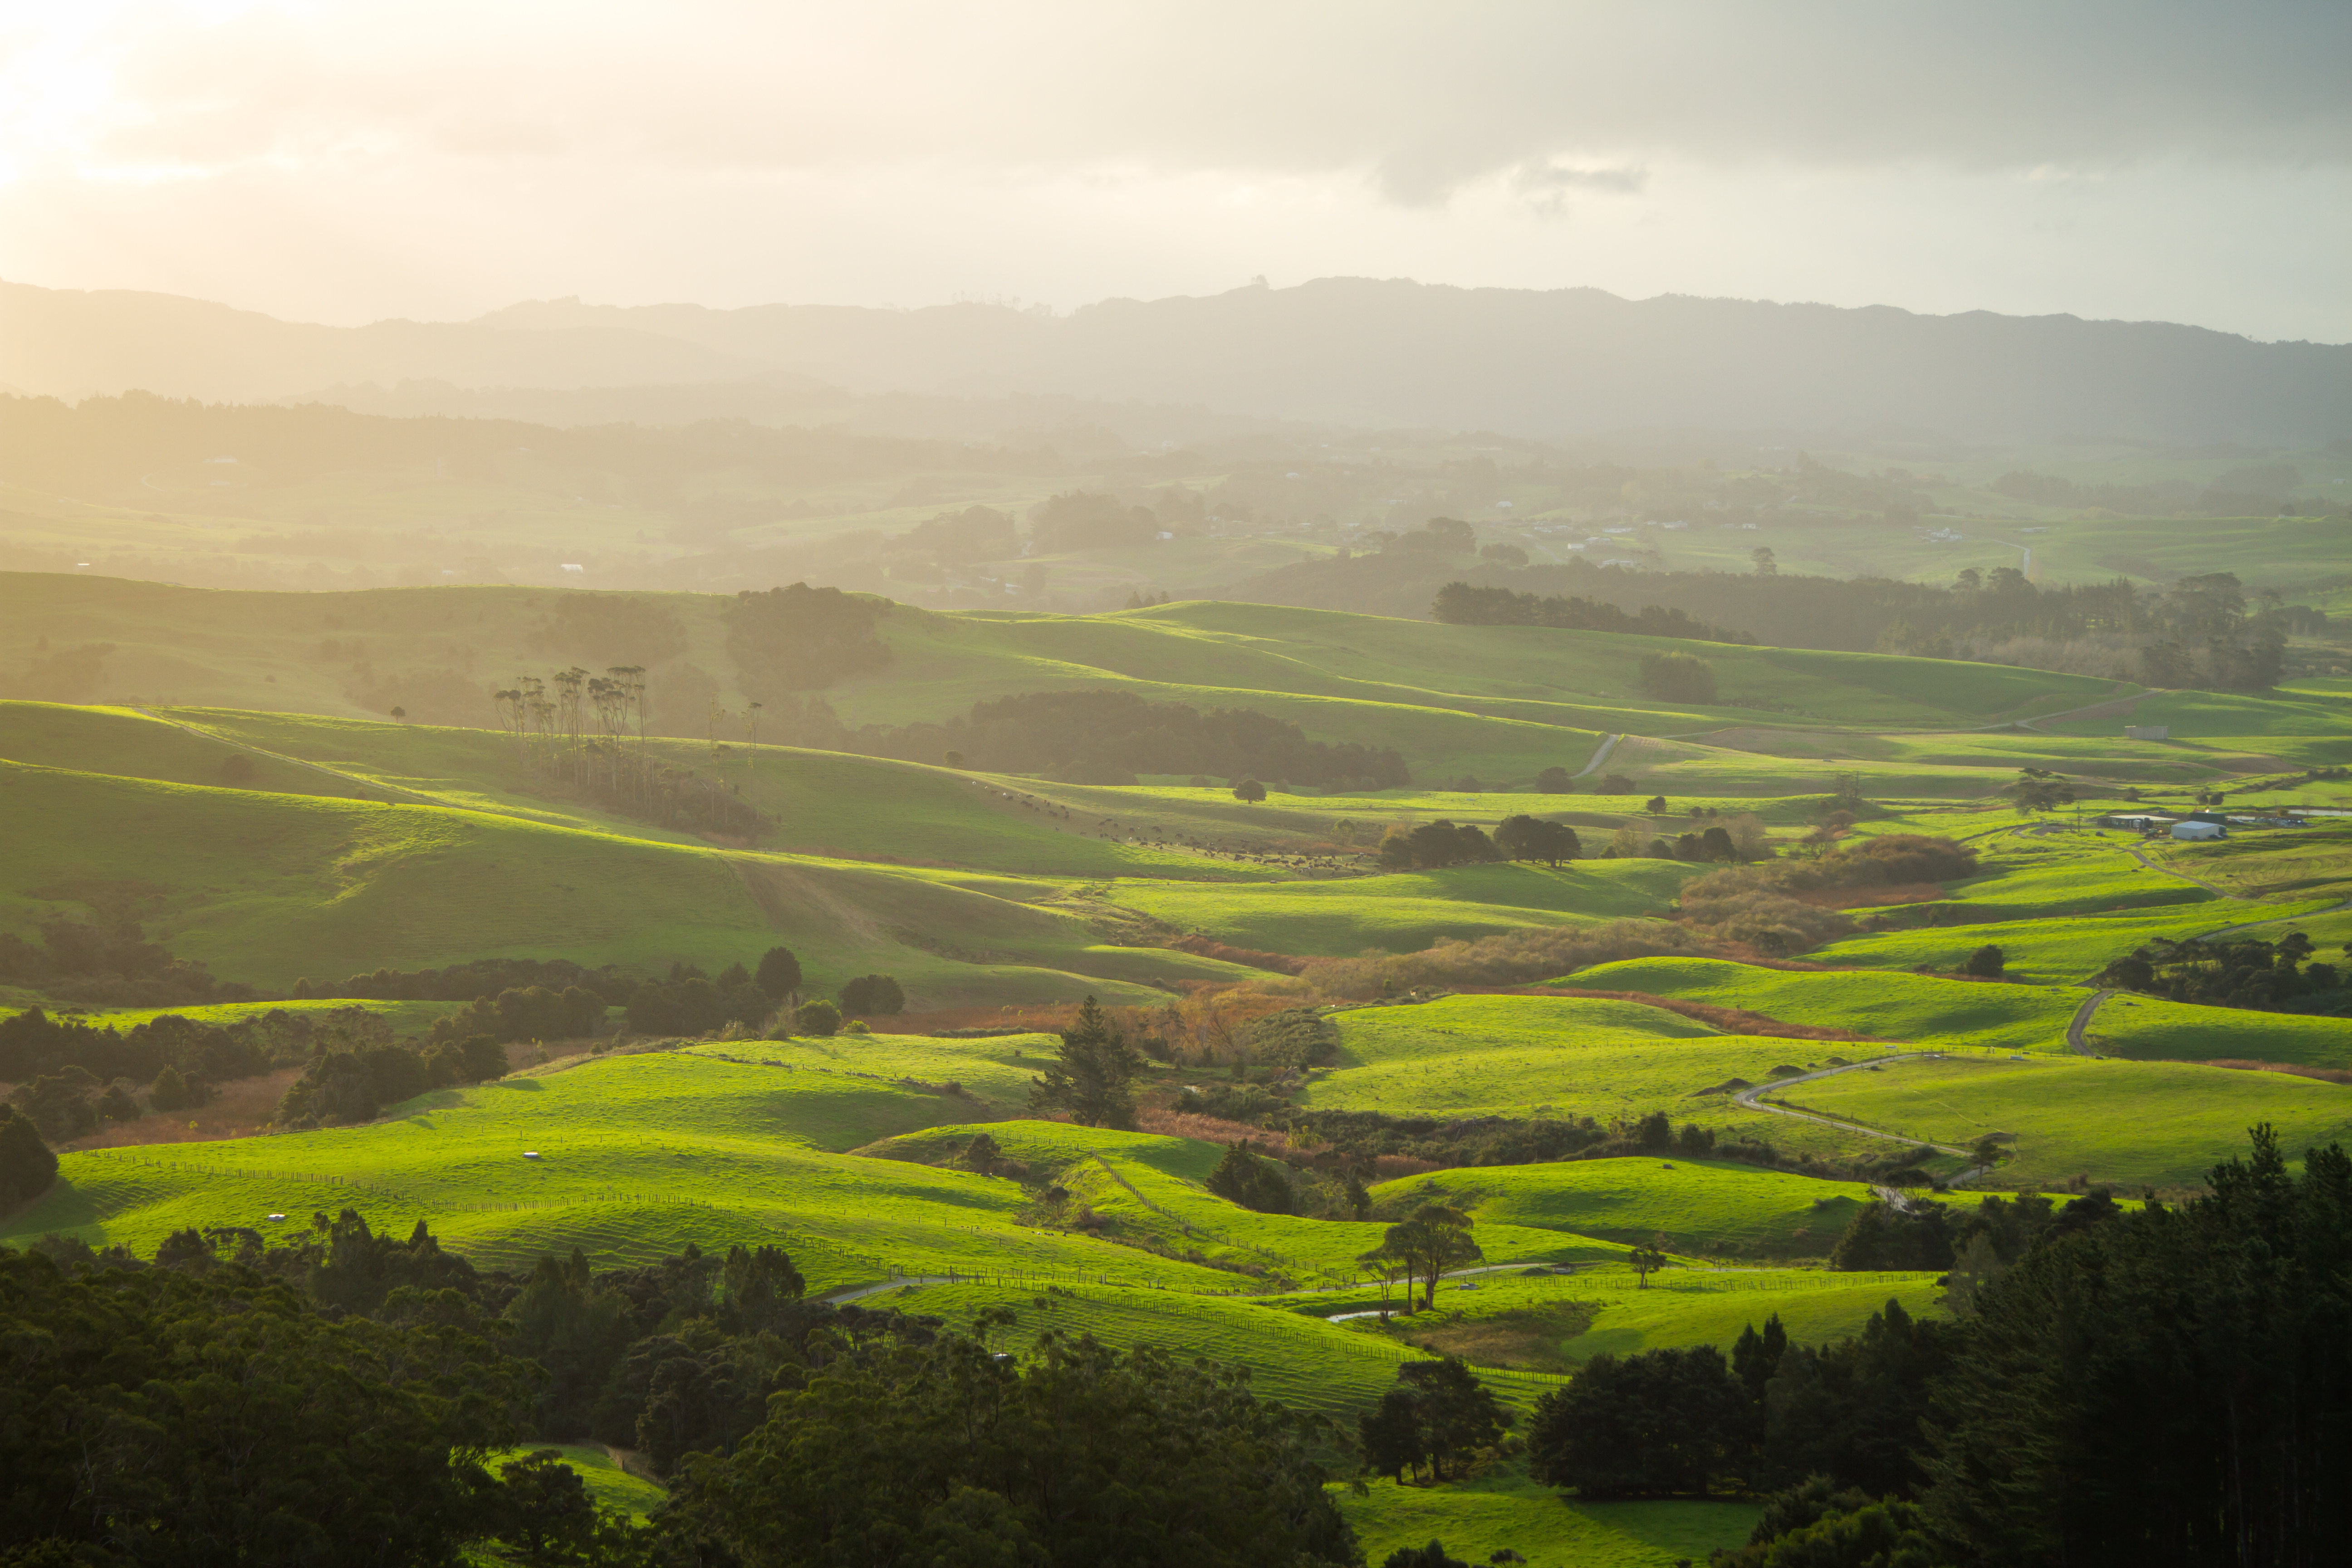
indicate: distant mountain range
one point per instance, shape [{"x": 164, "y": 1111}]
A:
[{"x": 1355, "y": 352}]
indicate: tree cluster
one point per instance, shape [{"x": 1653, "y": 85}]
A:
[
  {"x": 2242, "y": 972},
  {"x": 34, "y": 1046},
  {"x": 1524, "y": 837},
  {"x": 1676, "y": 678},
  {"x": 1433, "y": 845},
  {"x": 111, "y": 965},
  {"x": 1441, "y": 1414},
  {"x": 533, "y": 1012},
  {"x": 1243, "y": 1178},
  {"x": 800, "y": 638},
  {"x": 1460, "y": 605},
  {"x": 28, "y": 1166},
  {"x": 342, "y": 1087}
]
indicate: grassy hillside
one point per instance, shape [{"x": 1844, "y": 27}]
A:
[
  {"x": 2059, "y": 950},
  {"x": 1888, "y": 1006},
  {"x": 1503, "y": 1509},
  {"x": 1406, "y": 911},
  {"x": 640, "y": 1154},
  {"x": 2165, "y": 1123},
  {"x": 1538, "y": 1056},
  {"x": 2149, "y": 1028},
  {"x": 1699, "y": 1205}
]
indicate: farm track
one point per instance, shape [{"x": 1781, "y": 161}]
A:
[
  {"x": 2250, "y": 925},
  {"x": 1751, "y": 1097},
  {"x": 2082, "y": 1021},
  {"x": 1608, "y": 744}
]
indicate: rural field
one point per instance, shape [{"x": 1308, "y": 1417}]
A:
[{"x": 1589, "y": 1059}]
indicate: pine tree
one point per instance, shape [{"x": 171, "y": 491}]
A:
[{"x": 1093, "y": 1076}]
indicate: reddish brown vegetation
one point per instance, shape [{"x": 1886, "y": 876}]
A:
[
  {"x": 2331, "y": 1075},
  {"x": 1208, "y": 947},
  {"x": 1864, "y": 898}
]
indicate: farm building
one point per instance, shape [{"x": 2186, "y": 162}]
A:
[
  {"x": 2200, "y": 830},
  {"x": 2137, "y": 821}
]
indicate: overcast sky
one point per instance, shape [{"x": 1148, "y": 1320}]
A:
[{"x": 344, "y": 163}]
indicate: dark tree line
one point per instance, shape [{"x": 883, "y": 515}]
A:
[
  {"x": 346, "y": 1386},
  {"x": 1110, "y": 736},
  {"x": 2168, "y": 1385},
  {"x": 1460, "y": 605},
  {"x": 2197, "y": 631},
  {"x": 2245, "y": 971},
  {"x": 111, "y": 965}
]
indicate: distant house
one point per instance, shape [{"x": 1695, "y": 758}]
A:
[
  {"x": 2200, "y": 830},
  {"x": 2148, "y": 731},
  {"x": 2137, "y": 821}
]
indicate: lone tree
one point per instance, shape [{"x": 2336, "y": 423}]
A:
[
  {"x": 1093, "y": 1076},
  {"x": 779, "y": 973},
  {"x": 1533, "y": 839},
  {"x": 2039, "y": 789},
  {"x": 1986, "y": 961},
  {"x": 1655, "y": 805},
  {"x": 1646, "y": 1259},
  {"x": 1249, "y": 791},
  {"x": 1555, "y": 780},
  {"x": 1433, "y": 1240}
]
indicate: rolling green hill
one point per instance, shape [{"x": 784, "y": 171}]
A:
[
  {"x": 1564, "y": 1056},
  {"x": 1887, "y": 1006},
  {"x": 2165, "y": 1123},
  {"x": 1699, "y": 1205}
]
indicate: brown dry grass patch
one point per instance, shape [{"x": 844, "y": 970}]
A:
[
  {"x": 2329, "y": 1075},
  {"x": 1528, "y": 1338},
  {"x": 239, "y": 1109}
]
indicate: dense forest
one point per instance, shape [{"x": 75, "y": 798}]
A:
[{"x": 2115, "y": 1386}]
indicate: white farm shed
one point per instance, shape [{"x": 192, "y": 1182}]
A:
[{"x": 2198, "y": 830}]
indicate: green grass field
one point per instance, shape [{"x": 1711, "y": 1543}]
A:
[
  {"x": 1530, "y": 1056},
  {"x": 2158, "y": 1123},
  {"x": 609, "y": 1486},
  {"x": 2060, "y": 950},
  {"x": 640, "y": 1155},
  {"x": 1500, "y": 1509},
  {"x": 1698, "y": 1206},
  {"x": 1553, "y": 1323},
  {"x": 1406, "y": 911},
  {"x": 2150, "y": 1028},
  {"x": 1887, "y": 1006}
]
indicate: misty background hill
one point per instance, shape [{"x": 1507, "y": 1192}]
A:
[{"x": 1346, "y": 351}]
